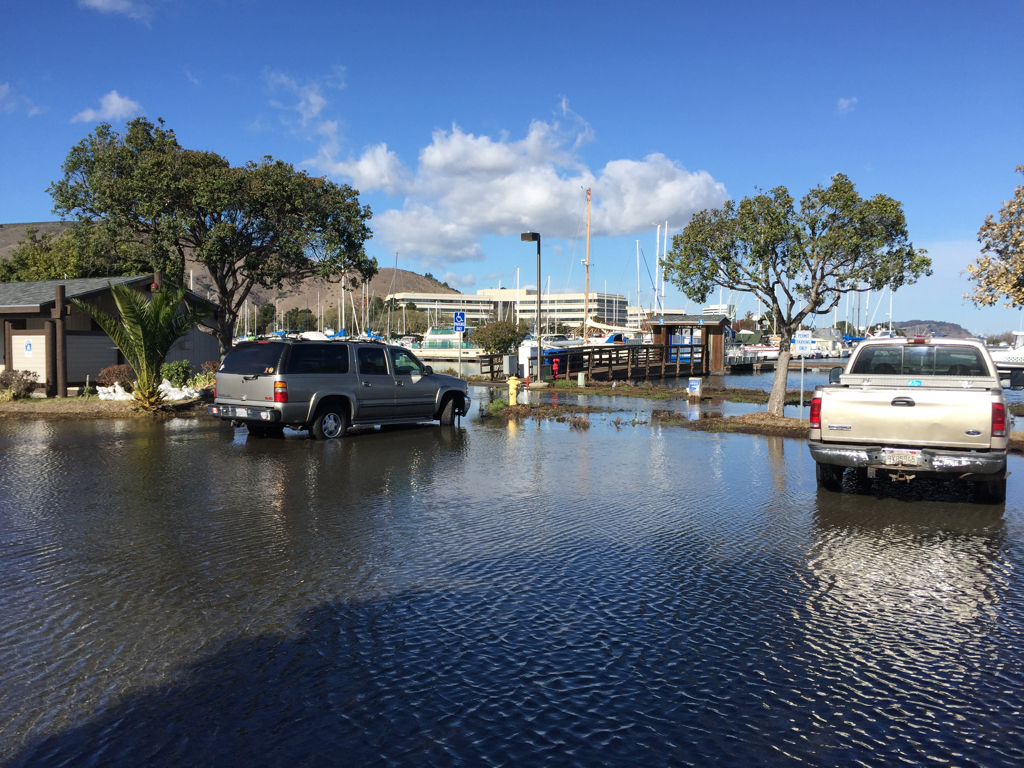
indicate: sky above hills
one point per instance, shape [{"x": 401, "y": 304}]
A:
[{"x": 464, "y": 124}]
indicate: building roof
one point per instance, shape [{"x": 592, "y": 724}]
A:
[
  {"x": 35, "y": 295},
  {"x": 38, "y": 295},
  {"x": 678, "y": 318}
]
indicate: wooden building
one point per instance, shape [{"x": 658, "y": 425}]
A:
[
  {"x": 45, "y": 334},
  {"x": 676, "y": 328}
]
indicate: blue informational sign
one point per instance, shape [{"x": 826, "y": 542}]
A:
[
  {"x": 661, "y": 321},
  {"x": 700, "y": 321},
  {"x": 460, "y": 321}
]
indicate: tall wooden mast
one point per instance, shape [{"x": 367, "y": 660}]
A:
[{"x": 586, "y": 287}]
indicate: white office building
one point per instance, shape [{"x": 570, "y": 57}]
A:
[{"x": 515, "y": 304}]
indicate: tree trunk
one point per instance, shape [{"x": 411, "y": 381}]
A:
[
  {"x": 225, "y": 334},
  {"x": 777, "y": 398}
]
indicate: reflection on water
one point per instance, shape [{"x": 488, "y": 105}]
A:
[{"x": 184, "y": 594}]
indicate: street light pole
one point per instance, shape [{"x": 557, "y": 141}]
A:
[{"x": 527, "y": 237}]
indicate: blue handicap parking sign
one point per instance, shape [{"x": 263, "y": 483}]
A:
[{"x": 460, "y": 321}]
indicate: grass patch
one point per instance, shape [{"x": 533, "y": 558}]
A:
[{"x": 67, "y": 408}]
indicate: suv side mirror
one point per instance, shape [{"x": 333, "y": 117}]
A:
[
  {"x": 834, "y": 374},
  {"x": 427, "y": 370},
  {"x": 1017, "y": 379}
]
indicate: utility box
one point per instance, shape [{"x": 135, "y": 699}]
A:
[
  {"x": 510, "y": 365},
  {"x": 693, "y": 390}
]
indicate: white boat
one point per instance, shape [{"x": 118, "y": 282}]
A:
[{"x": 1010, "y": 356}]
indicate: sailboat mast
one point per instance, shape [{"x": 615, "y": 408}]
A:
[
  {"x": 638, "y": 302},
  {"x": 586, "y": 286}
]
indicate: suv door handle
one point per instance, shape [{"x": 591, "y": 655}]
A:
[
  {"x": 399, "y": 383},
  {"x": 905, "y": 402},
  {"x": 366, "y": 383}
]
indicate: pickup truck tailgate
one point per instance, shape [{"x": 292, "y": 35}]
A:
[{"x": 946, "y": 417}]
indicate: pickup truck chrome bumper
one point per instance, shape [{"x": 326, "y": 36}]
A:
[{"x": 929, "y": 460}]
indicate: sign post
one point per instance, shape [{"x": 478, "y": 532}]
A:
[{"x": 460, "y": 327}]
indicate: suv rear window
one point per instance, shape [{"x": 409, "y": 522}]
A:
[
  {"x": 251, "y": 359},
  {"x": 318, "y": 358},
  {"x": 920, "y": 360}
]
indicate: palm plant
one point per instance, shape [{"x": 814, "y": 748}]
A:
[{"x": 144, "y": 333}]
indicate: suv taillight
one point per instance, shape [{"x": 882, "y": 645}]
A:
[
  {"x": 280, "y": 392},
  {"x": 816, "y": 413},
  {"x": 998, "y": 420}
]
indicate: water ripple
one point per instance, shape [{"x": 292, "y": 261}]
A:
[{"x": 492, "y": 595}]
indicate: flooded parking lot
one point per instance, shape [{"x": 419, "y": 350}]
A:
[{"x": 493, "y": 594}]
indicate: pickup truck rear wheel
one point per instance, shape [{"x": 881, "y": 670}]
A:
[
  {"x": 331, "y": 421},
  {"x": 829, "y": 476},
  {"x": 990, "y": 491}
]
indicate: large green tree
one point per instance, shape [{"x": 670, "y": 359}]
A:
[
  {"x": 260, "y": 224},
  {"x": 999, "y": 272},
  {"x": 799, "y": 261}
]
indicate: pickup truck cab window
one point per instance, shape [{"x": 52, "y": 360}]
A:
[
  {"x": 920, "y": 360},
  {"x": 372, "y": 361}
]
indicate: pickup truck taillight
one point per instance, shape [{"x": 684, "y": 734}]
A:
[
  {"x": 816, "y": 414},
  {"x": 998, "y": 420},
  {"x": 280, "y": 392}
]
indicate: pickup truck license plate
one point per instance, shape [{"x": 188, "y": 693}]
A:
[
  {"x": 901, "y": 456},
  {"x": 241, "y": 413}
]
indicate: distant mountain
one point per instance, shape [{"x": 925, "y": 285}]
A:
[
  {"x": 933, "y": 327},
  {"x": 301, "y": 296}
]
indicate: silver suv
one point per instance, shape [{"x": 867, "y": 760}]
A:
[{"x": 328, "y": 386}]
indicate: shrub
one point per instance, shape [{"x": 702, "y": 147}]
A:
[
  {"x": 497, "y": 406},
  {"x": 178, "y": 372},
  {"x": 122, "y": 374},
  {"x": 203, "y": 380},
  {"x": 19, "y": 383}
]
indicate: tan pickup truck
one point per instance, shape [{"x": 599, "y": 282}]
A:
[{"x": 914, "y": 407}]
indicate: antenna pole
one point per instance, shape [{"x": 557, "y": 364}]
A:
[{"x": 586, "y": 287}]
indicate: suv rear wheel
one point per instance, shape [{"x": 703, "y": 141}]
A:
[
  {"x": 331, "y": 421},
  {"x": 265, "y": 430}
]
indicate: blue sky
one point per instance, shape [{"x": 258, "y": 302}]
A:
[{"x": 466, "y": 123}]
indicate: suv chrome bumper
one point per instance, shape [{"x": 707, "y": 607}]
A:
[
  {"x": 929, "y": 460},
  {"x": 247, "y": 413}
]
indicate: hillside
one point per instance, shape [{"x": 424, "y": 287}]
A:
[
  {"x": 10, "y": 234},
  {"x": 301, "y": 296},
  {"x": 926, "y": 327}
]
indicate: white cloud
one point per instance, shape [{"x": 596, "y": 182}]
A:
[
  {"x": 458, "y": 281},
  {"x": 847, "y": 105},
  {"x": 10, "y": 101},
  {"x": 468, "y": 186},
  {"x": 129, "y": 8},
  {"x": 311, "y": 100},
  {"x": 377, "y": 168},
  {"x": 113, "y": 106}
]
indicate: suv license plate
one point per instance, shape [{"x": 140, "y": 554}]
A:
[
  {"x": 901, "y": 457},
  {"x": 241, "y": 413}
]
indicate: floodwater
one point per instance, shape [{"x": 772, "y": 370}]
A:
[{"x": 533, "y": 594}]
